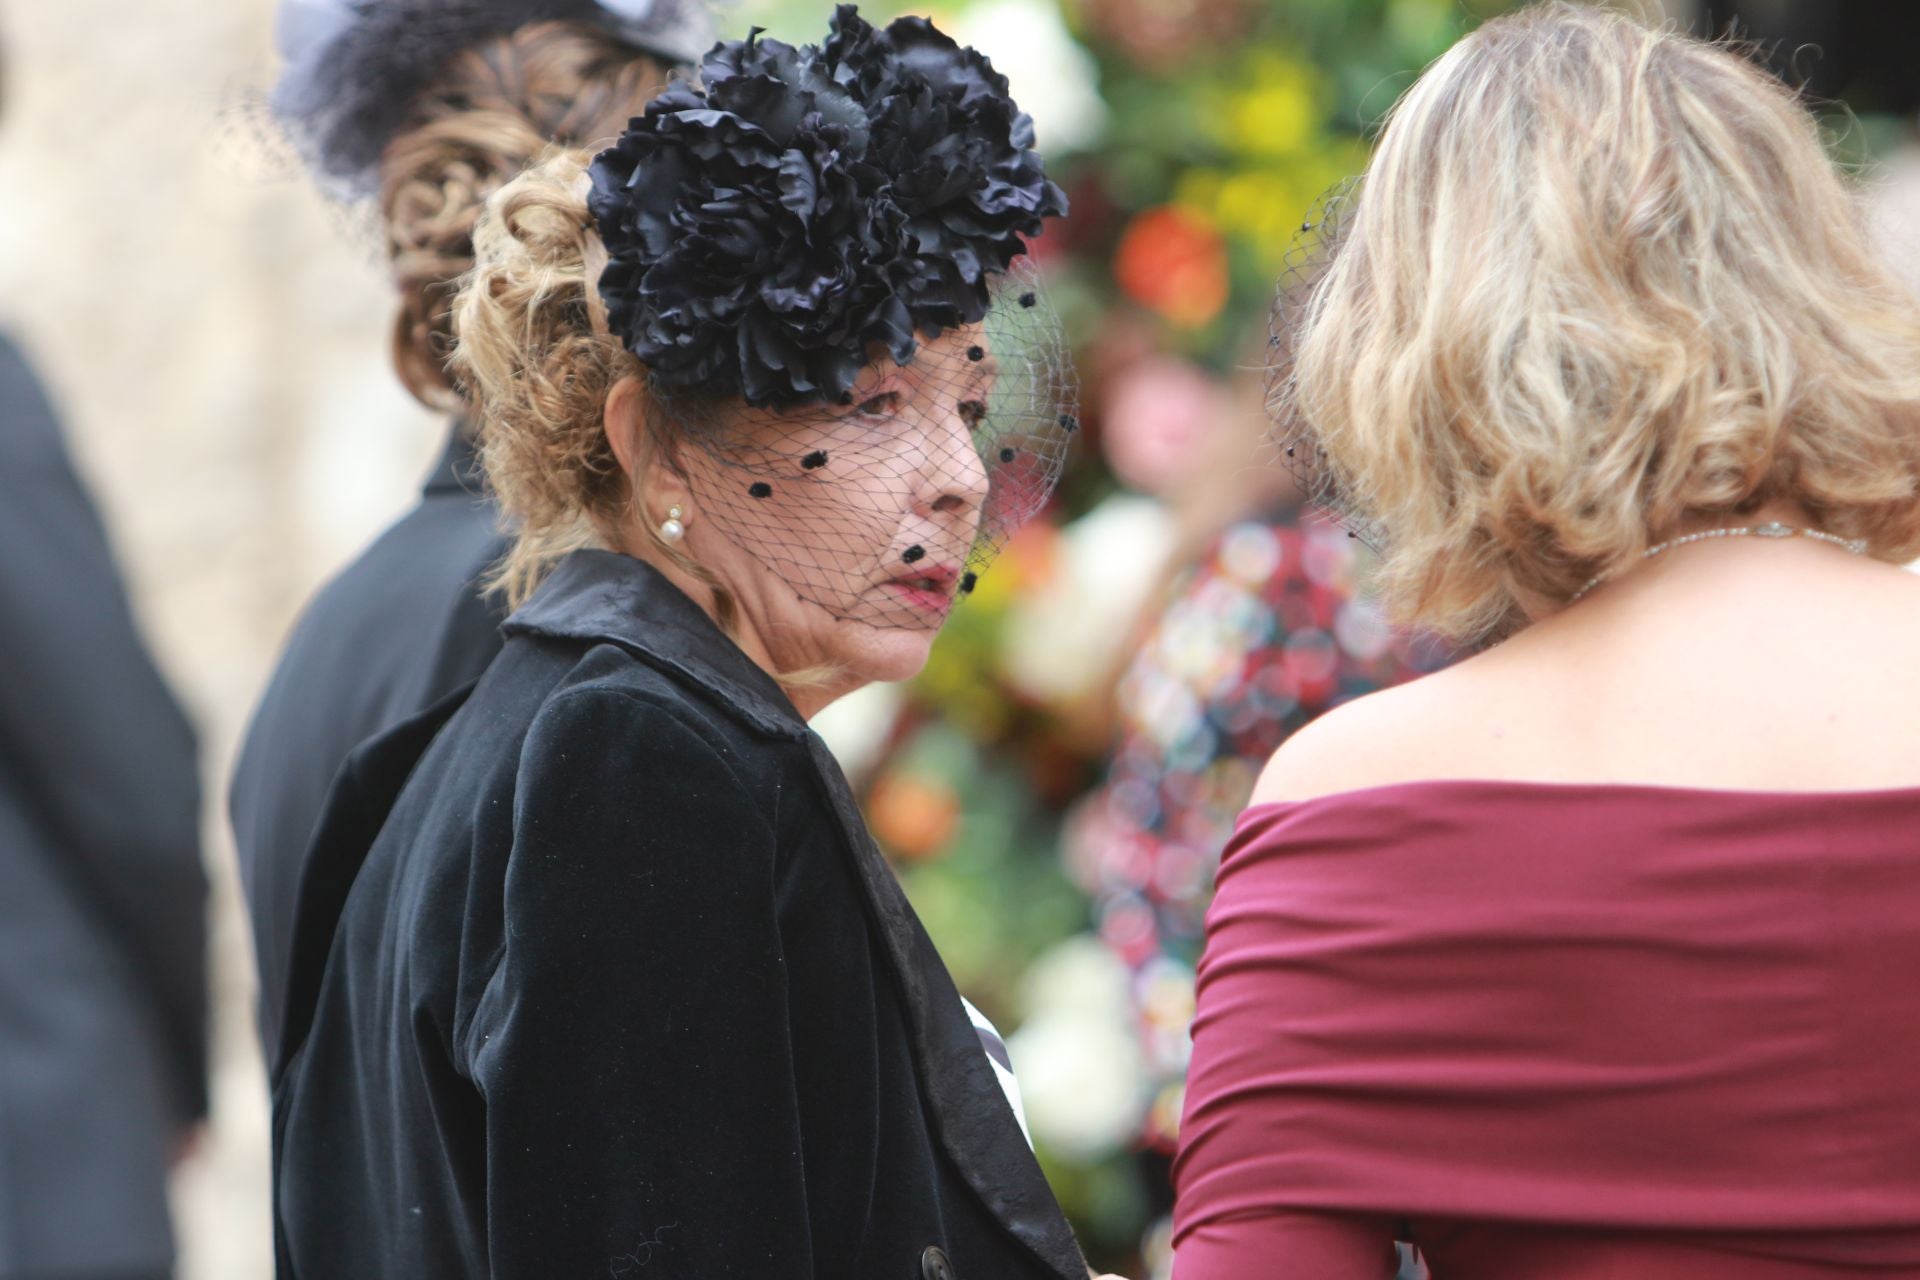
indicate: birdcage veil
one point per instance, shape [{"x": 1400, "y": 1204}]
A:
[
  {"x": 1309, "y": 257},
  {"x": 886, "y": 505}
]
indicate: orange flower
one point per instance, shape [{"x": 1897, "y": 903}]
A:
[
  {"x": 912, "y": 817},
  {"x": 1172, "y": 260}
]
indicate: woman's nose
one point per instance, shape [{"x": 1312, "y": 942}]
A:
[{"x": 951, "y": 478}]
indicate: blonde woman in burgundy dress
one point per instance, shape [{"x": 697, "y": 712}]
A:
[{"x": 1595, "y": 955}]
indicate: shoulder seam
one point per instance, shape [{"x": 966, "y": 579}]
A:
[{"x": 586, "y": 692}]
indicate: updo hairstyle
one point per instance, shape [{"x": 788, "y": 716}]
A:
[
  {"x": 495, "y": 109},
  {"x": 535, "y": 356}
]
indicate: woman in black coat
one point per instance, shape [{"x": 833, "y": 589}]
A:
[
  {"x": 597, "y": 971},
  {"x": 417, "y": 110}
]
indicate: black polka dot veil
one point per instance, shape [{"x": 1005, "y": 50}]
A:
[
  {"x": 1319, "y": 240},
  {"x": 886, "y": 506}
]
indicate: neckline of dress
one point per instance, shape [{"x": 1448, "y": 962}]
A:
[{"x": 1607, "y": 789}]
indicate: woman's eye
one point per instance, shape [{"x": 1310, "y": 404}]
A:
[{"x": 883, "y": 405}]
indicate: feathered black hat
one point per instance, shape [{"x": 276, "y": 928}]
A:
[
  {"x": 352, "y": 67},
  {"x": 768, "y": 224}
]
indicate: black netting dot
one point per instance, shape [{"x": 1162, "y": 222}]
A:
[
  {"x": 816, "y": 459},
  {"x": 1028, "y": 299},
  {"x": 976, "y": 354},
  {"x": 760, "y": 489},
  {"x": 915, "y": 552},
  {"x": 1006, "y": 455},
  {"x": 1069, "y": 423},
  {"x": 967, "y": 581},
  {"x": 1289, "y": 451}
]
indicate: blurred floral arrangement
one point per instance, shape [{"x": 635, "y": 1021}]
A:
[{"x": 1191, "y": 137}]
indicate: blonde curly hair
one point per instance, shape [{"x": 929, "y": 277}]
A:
[
  {"x": 492, "y": 111},
  {"x": 533, "y": 351},
  {"x": 1601, "y": 279}
]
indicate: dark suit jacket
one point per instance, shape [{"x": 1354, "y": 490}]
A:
[
  {"x": 607, "y": 978},
  {"x": 103, "y": 996},
  {"x": 397, "y": 630}
]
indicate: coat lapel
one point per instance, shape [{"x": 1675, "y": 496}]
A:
[
  {"x": 974, "y": 1122},
  {"x": 602, "y": 595}
]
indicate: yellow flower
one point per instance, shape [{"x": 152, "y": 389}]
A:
[{"x": 1280, "y": 110}]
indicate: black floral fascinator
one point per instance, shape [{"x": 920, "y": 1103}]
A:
[
  {"x": 765, "y": 226},
  {"x": 802, "y": 217},
  {"x": 351, "y": 67}
]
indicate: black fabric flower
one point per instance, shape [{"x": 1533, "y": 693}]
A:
[{"x": 766, "y": 227}]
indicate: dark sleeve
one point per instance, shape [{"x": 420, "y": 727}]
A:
[
  {"x": 632, "y": 1046},
  {"x": 90, "y": 734}
]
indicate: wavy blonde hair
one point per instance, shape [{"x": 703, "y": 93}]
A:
[
  {"x": 533, "y": 351},
  {"x": 1601, "y": 279}
]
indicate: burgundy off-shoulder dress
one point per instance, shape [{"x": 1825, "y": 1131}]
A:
[{"x": 1559, "y": 1032}]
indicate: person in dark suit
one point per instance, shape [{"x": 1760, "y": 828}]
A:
[
  {"x": 103, "y": 992},
  {"x": 426, "y": 108},
  {"x": 597, "y": 969}
]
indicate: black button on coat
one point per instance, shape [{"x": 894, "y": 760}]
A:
[
  {"x": 598, "y": 974},
  {"x": 394, "y": 632}
]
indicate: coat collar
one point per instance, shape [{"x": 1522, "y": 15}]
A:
[
  {"x": 608, "y": 596},
  {"x": 968, "y": 1109},
  {"x": 457, "y": 469}
]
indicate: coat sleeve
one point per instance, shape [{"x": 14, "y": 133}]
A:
[
  {"x": 90, "y": 736},
  {"x": 632, "y": 1046}
]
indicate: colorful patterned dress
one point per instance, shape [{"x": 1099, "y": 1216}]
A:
[{"x": 1263, "y": 633}]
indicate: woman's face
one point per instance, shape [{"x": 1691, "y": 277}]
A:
[{"x": 843, "y": 531}]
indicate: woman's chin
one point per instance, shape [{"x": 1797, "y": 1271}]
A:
[{"x": 888, "y": 654}]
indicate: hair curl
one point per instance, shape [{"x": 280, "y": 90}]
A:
[
  {"x": 1601, "y": 280},
  {"x": 539, "y": 369},
  {"x": 494, "y": 110},
  {"x": 533, "y": 350}
]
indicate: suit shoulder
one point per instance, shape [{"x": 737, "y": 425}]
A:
[{"x": 640, "y": 718}]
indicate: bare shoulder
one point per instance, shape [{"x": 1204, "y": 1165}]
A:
[{"x": 1383, "y": 737}]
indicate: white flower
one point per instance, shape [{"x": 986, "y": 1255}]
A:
[
  {"x": 1079, "y": 1063},
  {"x": 855, "y": 727},
  {"x": 1052, "y": 77},
  {"x": 1066, "y": 636}
]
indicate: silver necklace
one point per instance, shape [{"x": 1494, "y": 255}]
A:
[{"x": 1772, "y": 529}]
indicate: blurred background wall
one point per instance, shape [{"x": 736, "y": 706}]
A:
[
  {"x": 215, "y": 344},
  {"x": 214, "y": 334}
]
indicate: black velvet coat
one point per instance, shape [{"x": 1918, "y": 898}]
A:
[{"x": 598, "y": 974}]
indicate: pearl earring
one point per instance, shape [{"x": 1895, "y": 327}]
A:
[{"x": 671, "y": 529}]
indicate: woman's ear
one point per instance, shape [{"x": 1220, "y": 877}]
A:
[
  {"x": 657, "y": 488},
  {"x": 625, "y": 422}
]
